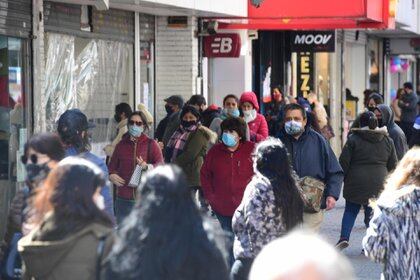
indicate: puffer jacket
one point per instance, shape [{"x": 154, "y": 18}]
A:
[
  {"x": 393, "y": 237},
  {"x": 258, "y": 128}
]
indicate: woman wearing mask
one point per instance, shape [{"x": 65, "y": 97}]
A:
[
  {"x": 65, "y": 244},
  {"x": 392, "y": 238},
  {"x": 41, "y": 153},
  {"x": 366, "y": 159},
  {"x": 258, "y": 128},
  {"x": 135, "y": 148},
  {"x": 188, "y": 145},
  {"x": 165, "y": 236},
  {"x": 226, "y": 171},
  {"x": 271, "y": 206},
  {"x": 274, "y": 111}
]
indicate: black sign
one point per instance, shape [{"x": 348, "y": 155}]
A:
[
  {"x": 305, "y": 68},
  {"x": 313, "y": 41}
]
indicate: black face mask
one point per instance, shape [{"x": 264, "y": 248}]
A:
[
  {"x": 117, "y": 118},
  {"x": 372, "y": 109},
  {"x": 36, "y": 172},
  {"x": 169, "y": 110},
  {"x": 186, "y": 124}
]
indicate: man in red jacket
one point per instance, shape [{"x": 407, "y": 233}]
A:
[{"x": 226, "y": 172}]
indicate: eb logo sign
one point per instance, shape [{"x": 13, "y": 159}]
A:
[{"x": 222, "y": 45}]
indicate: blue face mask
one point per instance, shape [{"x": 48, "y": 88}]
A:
[
  {"x": 234, "y": 112},
  {"x": 229, "y": 140},
  {"x": 293, "y": 128},
  {"x": 135, "y": 130}
]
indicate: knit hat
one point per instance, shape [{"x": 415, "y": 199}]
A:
[
  {"x": 142, "y": 108},
  {"x": 251, "y": 98}
]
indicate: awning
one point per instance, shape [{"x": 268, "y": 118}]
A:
[{"x": 314, "y": 14}]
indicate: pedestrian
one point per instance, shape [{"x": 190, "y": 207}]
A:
[
  {"x": 226, "y": 171},
  {"x": 173, "y": 107},
  {"x": 258, "y": 128},
  {"x": 385, "y": 117},
  {"x": 395, "y": 108},
  {"x": 42, "y": 152},
  {"x": 366, "y": 95},
  {"x": 271, "y": 206},
  {"x": 408, "y": 105},
  {"x": 212, "y": 112},
  {"x": 122, "y": 112},
  {"x": 65, "y": 244},
  {"x": 415, "y": 134},
  {"x": 165, "y": 237},
  {"x": 274, "y": 111},
  {"x": 199, "y": 102},
  {"x": 367, "y": 157},
  {"x": 311, "y": 156},
  {"x": 319, "y": 110},
  {"x": 300, "y": 256},
  {"x": 392, "y": 238},
  {"x": 188, "y": 146},
  {"x": 230, "y": 109},
  {"x": 74, "y": 130},
  {"x": 374, "y": 100},
  {"x": 135, "y": 149}
]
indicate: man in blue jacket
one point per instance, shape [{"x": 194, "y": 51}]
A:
[
  {"x": 73, "y": 130},
  {"x": 311, "y": 155}
]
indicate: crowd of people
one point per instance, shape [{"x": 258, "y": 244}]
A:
[{"x": 217, "y": 193}]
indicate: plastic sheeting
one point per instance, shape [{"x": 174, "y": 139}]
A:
[{"x": 92, "y": 80}]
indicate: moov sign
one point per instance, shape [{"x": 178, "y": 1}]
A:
[
  {"x": 222, "y": 45},
  {"x": 313, "y": 41}
]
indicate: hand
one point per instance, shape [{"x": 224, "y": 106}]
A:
[
  {"x": 116, "y": 180},
  {"x": 161, "y": 145},
  {"x": 141, "y": 162},
  {"x": 330, "y": 202}
]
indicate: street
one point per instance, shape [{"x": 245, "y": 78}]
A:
[{"x": 363, "y": 267}]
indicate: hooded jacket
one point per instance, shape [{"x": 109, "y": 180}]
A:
[
  {"x": 74, "y": 257},
  {"x": 366, "y": 159},
  {"x": 395, "y": 132},
  {"x": 258, "y": 128},
  {"x": 393, "y": 235}
]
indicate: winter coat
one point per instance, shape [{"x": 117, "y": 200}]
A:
[
  {"x": 311, "y": 155},
  {"x": 174, "y": 121},
  {"x": 209, "y": 115},
  {"x": 408, "y": 105},
  {"x": 366, "y": 159},
  {"x": 74, "y": 257},
  {"x": 123, "y": 161},
  {"x": 105, "y": 191},
  {"x": 192, "y": 158},
  {"x": 415, "y": 136},
  {"x": 224, "y": 176},
  {"x": 122, "y": 129},
  {"x": 258, "y": 128},
  {"x": 160, "y": 130},
  {"x": 395, "y": 132},
  {"x": 256, "y": 222},
  {"x": 393, "y": 235}
]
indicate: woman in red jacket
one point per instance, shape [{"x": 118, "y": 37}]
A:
[
  {"x": 226, "y": 172},
  {"x": 135, "y": 148},
  {"x": 258, "y": 128}
]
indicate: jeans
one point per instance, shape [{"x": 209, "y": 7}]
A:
[
  {"x": 123, "y": 208},
  {"x": 350, "y": 214},
  {"x": 226, "y": 224},
  {"x": 240, "y": 269}
]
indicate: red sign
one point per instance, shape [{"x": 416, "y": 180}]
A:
[{"x": 222, "y": 45}]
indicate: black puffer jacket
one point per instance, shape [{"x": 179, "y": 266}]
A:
[
  {"x": 366, "y": 159},
  {"x": 395, "y": 132}
]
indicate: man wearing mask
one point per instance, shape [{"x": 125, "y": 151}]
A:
[
  {"x": 171, "y": 122},
  {"x": 122, "y": 112},
  {"x": 408, "y": 105},
  {"x": 311, "y": 156}
]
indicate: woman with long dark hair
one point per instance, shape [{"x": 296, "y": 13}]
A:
[
  {"x": 65, "y": 243},
  {"x": 165, "y": 237},
  {"x": 271, "y": 206}
]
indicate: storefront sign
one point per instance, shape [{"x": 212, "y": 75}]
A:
[
  {"x": 313, "y": 41},
  {"x": 222, "y": 45},
  {"x": 305, "y": 67}
]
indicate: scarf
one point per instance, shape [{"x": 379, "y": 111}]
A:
[{"x": 176, "y": 144}]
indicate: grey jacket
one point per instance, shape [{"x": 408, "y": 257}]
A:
[{"x": 408, "y": 105}]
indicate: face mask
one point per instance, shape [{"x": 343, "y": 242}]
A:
[
  {"x": 372, "y": 109},
  {"x": 293, "y": 127},
  {"x": 117, "y": 118},
  {"x": 234, "y": 112},
  {"x": 135, "y": 130},
  {"x": 229, "y": 140},
  {"x": 99, "y": 201},
  {"x": 186, "y": 124},
  {"x": 168, "y": 109},
  {"x": 250, "y": 115},
  {"x": 35, "y": 173}
]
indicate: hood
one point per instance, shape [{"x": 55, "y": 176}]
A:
[
  {"x": 387, "y": 115},
  {"x": 251, "y": 98},
  {"x": 209, "y": 134},
  {"x": 402, "y": 202},
  {"x": 42, "y": 257},
  {"x": 371, "y": 135}
]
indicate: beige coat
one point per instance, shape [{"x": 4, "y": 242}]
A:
[{"x": 122, "y": 129}]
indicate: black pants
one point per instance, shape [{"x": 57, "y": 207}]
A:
[
  {"x": 240, "y": 269},
  {"x": 407, "y": 127}
]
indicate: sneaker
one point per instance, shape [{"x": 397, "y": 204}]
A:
[{"x": 342, "y": 244}]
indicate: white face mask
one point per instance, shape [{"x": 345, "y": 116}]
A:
[
  {"x": 250, "y": 115},
  {"x": 99, "y": 201}
]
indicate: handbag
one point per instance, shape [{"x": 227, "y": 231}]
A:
[
  {"x": 138, "y": 170},
  {"x": 11, "y": 266},
  {"x": 312, "y": 191}
]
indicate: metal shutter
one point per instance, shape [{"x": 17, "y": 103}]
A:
[
  {"x": 350, "y": 37},
  {"x": 16, "y": 18}
]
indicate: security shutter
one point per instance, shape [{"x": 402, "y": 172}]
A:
[
  {"x": 355, "y": 36},
  {"x": 16, "y": 18},
  {"x": 112, "y": 24}
]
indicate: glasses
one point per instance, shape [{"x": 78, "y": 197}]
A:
[
  {"x": 134, "y": 122},
  {"x": 33, "y": 158}
]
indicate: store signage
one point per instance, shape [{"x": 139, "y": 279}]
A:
[
  {"x": 305, "y": 67},
  {"x": 313, "y": 41},
  {"x": 222, "y": 45}
]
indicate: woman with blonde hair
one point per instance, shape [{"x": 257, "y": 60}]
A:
[
  {"x": 395, "y": 108},
  {"x": 393, "y": 235}
]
